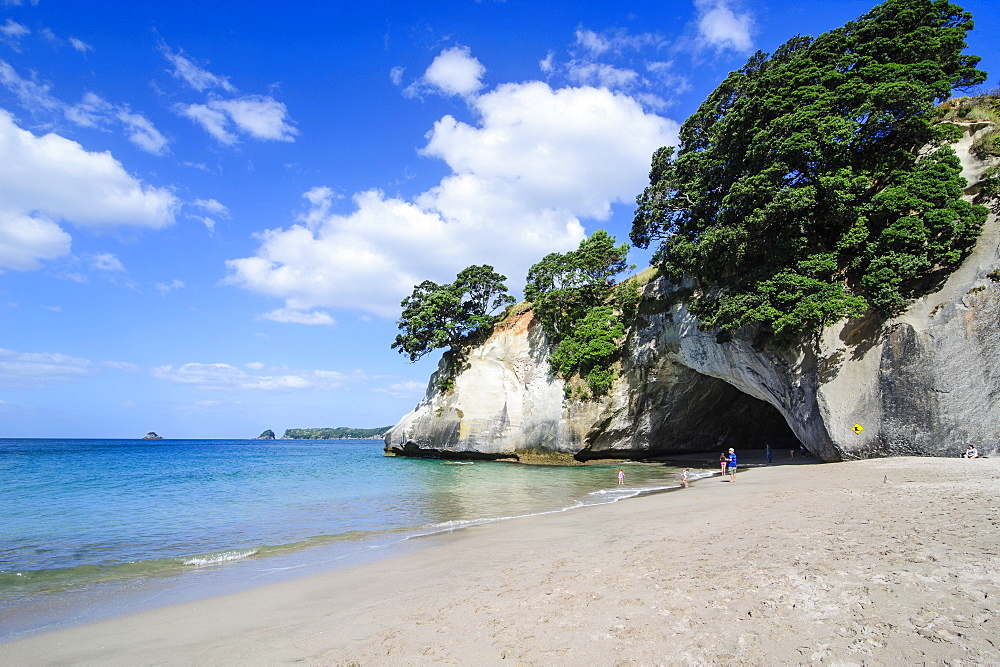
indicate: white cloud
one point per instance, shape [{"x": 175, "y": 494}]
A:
[
  {"x": 547, "y": 65},
  {"x": 91, "y": 111},
  {"x": 406, "y": 389},
  {"x": 211, "y": 120},
  {"x": 30, "y": 94},
  {"x": 80, "y": 45},
  {"x": 163, "y": 288},
  {"x": 254, "y": 365},
  {"x": 260, "y": 116},
  {"x": 290, "y": 315},
  {"x": 107, "y": 262},
  {"x": 141, "y": 132},
  {"x": 538, "y": 161},
  {"x": 722, "y": 28},
  {"x": 36, "y": 370},
  {"x": 13, "y": 31},
  {"x": 205, "y": 220},
  {"x": 193, "y": 74},
  {"x": 213, "y": 206},
  {"x": 454, "y": 71},
  {"x": 49, "y": 179},
  {"x": 226, "y": 377},
  {"x": 396, "y": 75},
  {"x": 601, "y": 75},
  {"x": 613, "y": 59}
]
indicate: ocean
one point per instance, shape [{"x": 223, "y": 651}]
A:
[{"x": 90, "y": 529}]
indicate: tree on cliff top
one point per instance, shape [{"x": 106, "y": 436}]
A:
[
  {"x": 813, "y": 184},
  {"x": 436, "y": 316},
  {"x": 571, "y": 295}
]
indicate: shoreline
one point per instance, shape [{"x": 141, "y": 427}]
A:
[{"x": 880, "y": 560}]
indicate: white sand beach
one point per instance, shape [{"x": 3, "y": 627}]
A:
[{"x": 883, "y": 561}]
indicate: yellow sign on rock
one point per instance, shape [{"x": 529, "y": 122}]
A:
[{"x": 858, "y": 428}]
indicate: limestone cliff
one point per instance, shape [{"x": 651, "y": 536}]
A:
[{"x": 924, "y": 383}]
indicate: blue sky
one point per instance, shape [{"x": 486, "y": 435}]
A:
[{"x": 209, "y": 212}]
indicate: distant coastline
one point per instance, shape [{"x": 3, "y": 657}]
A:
[{"x": 339, "y": 433}]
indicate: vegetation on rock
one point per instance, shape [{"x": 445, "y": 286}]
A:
[
  {"x": 438, "y": 316},
  {"x": 814, "y": 183},
  {"x": 573, "y": 297}
]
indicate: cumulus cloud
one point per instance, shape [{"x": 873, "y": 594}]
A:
[
  {"x": 455, "y": 72},
  {"x": 226, "y": 377},
  {"x": 721, "y": 28},
  {"x": 259, "y": 116},
  {"x": 36, "y": 370},
  {"x": 49, "y": 180},
  {"x": 538, "y": 161}
]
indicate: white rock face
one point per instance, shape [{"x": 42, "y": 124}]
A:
[{"x": 925, "y": 383}]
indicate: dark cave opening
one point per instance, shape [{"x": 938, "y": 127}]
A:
[{"x": 687, "y": 413}]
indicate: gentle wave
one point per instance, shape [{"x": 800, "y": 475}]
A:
[{"x": 224, "y": 557}]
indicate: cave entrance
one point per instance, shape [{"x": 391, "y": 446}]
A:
[{"x": 687, "y": 412}]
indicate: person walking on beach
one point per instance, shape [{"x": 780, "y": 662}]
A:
[
  {"x": 731, "y": 464},
  {"x": 621, "y": 476},
  {"x": 685, "y": 477},
  {"x": 767, "y": 452},
  {"x": 723, "y": 461}
]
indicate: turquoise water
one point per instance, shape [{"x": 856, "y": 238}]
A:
[{"x": 106, "y": 516}]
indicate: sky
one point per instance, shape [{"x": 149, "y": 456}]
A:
[{"x": 210, "y": 212}]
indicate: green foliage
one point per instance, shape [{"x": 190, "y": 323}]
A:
[
  {"x": 591, "y": 349},
  {"x": 813, "y": 183},
  {"x": 436, "y": 316},
  {"x": 562, "y": 287},
  {"x": 339, "y": 433},
  {"x": 574, "y": 297}
]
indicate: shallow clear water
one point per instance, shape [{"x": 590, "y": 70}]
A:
[{"x": 75, "y": 513}]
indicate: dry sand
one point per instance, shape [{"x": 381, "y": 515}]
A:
[{"x": 886, "y": 561}]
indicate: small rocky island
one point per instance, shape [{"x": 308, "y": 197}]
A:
[
  {"x": 266, "y": 435},
  {"x": 152, "y": 436}
]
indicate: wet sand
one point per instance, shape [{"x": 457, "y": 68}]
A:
[{"x": 885, "y": 561}]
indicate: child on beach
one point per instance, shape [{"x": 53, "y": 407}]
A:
[
  {"x": 621, "y": 476},
  {"x": 723, "y": 462},
  {"x": 684, "y": 477}
]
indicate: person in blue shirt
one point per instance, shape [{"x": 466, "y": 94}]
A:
[{"x": 732, "y": 464}]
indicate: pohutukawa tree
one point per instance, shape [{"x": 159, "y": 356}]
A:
[
  {"x": 814, "y": 183},
  {"x": 438, "y": 316}
]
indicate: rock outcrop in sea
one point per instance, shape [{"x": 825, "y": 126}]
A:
[
  {"x": 924, "y": 383},
  {"x": 151, "y": 436},
  {"x": 266, "y": 435}
]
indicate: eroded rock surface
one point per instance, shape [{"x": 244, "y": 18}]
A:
[{"x": 925, "y": 383}]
